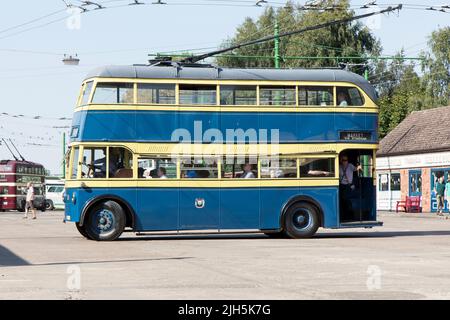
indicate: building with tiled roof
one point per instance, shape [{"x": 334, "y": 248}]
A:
[{"x": 412, "y": 157}]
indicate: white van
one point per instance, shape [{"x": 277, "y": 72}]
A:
[{"x": 54, "y": 194}]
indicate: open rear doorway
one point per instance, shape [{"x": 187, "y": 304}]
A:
[{"x": 356, "y": 188}]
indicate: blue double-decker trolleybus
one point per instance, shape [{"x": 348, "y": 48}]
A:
[{"x": 179, "y": 147}]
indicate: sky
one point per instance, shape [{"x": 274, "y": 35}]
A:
[{"x": 35, "y": 35}]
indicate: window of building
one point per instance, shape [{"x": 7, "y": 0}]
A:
[
  {"x": 198, "y": 94},
  {"x": 112, "y": 93},
  {"x": 75, "y": 162},
  {"x": 93, "y": 163},
  {"x": 348, "y": 96},
  {"x": 315, "y": 96},
  {"x": 156, "y": 93},
  {"x": 237, "y": 95},
  {"x": 277, "y": 96},
  {"x": 395, "y": 181},
  {"x": 317, "y": 167},
  {"x": 415, "y": 183},
  {"x": 86, "y": 93},
  {"x": 157, "y": 168},
  {"x": 120, "y": 163},
  {"x": 239, "y": 167},
  {"x": 383, "y": 182},
  {"x": 200, "y": 168},
  {"x": 278, "y": 168}
]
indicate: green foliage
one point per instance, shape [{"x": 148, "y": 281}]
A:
[{"x": 343, "y": 40}]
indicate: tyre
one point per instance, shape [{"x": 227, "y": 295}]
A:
[
  {"x": 105, "y": 221},
  {"x": 49, "y": 205},
  {"x": 82, "y": 230},
  {"x": 301, "y": 220}
]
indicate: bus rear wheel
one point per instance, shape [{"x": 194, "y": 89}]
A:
[
  {"x": 301, "y": 220},
  {"x": 105, "y": 221}
]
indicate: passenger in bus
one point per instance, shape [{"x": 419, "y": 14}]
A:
[
  {"x": 162, "y": 173},
  {"x": 248, "y": 173},
  {"x": 342, "y": 99}
]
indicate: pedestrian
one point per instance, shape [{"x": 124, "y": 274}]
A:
[
  {"x": 29, "y": 201},
  {"x": 447, "y": 193},
  {"x": 440, "y": 191}
]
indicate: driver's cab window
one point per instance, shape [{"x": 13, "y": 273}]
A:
[{"x": 93, "y": 163}]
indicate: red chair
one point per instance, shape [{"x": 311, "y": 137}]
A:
[{"x": 410, "y": 204}]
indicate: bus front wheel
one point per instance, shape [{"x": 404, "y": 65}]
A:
[
  {"x": 105, "y": 221},
  {"x": 301, "y": 220},
  {"x": 82, "y": 230}
]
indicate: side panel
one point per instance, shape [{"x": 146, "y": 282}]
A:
[
  {"x": 157, "y": 209},
  {"x": 273, "y": 199},
  {"x": 239, "y": 208},
  {"x": 199, "y": 208},
  {"x": 226, "y": 208}
]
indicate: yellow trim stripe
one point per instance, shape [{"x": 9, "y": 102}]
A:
[
  {"x": 195, "y": 108},
  {"x": 202, "y": 183}
]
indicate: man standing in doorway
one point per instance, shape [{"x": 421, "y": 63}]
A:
[
  {"x": 440, "y": 191},
  {"x": 346, "y": 186},
  {"x": 29, "y": 201}
]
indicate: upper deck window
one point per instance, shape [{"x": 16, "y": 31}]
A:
[
  {"x": 112, "y": 93},
  {"x": 237, "y": 95},
  {"x": 282, "y": 96},
  {"x": 315, "y": 96},
  {"x": 86, "y": 93},
  {"x": 156, "y": 93},
  {"x": 349, "y": 96},
  {"x": 197, "y": 94}
]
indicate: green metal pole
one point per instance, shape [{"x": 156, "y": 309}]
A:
[
  {"x": 366, "y": 74},
  {"x": 277, "y": 45},
  {"x": 64, "y": 155}
]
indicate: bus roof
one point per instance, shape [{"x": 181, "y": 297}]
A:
[{"x": 202, "y": 72}]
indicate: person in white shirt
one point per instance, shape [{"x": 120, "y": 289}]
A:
[
  {"x": 248, "y": 173},
  {"x": 29, "y": 201},
  {"x": 161, "y": 173},
  {"x": 342, "y": 100}
]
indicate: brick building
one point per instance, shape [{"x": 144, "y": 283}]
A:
[{"x": 412, "y": 157}]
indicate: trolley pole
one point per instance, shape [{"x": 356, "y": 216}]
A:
[
  {"x": 64, "y": 155},
  {"x": 277, "y": 45}
]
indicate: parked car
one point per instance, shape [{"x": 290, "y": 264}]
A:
[{"x": 54, "y": 194}]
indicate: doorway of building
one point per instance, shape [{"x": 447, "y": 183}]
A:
[
  {"x": 435, "y": 175},
  {"x": 357, "y": 197},
  {"x": 415, "y": 183}
]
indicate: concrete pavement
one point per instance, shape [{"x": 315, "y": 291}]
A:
[{"x": 45, "y": 259}]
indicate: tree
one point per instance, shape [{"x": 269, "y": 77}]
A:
[
  {"x": 352, "y": 39},
  {"x": 436, "y": 68}
]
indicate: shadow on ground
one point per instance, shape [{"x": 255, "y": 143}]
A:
[
  {"x": 259, "y": 236},
  {"x": 9, "y": 259}
]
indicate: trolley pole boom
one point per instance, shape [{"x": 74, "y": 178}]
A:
[{"x": 194, "y": 59}]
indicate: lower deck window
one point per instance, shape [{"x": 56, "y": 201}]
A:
[
  {"x": 279, "y": 168},
  {"x": 317, "y": 167},
  {"x": 199, "y": 168}
]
